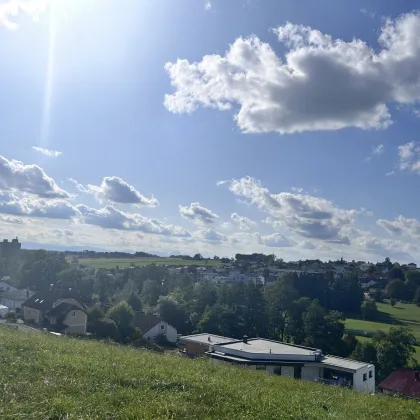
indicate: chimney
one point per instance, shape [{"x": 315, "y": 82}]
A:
[
  {"x": 209, "y": 338},
  {"x": 245, "y": 339},
  {"x": 417, "y": 375}
]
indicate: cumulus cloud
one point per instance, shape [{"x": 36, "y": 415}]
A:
[
  {"x": 207, "y": 5},
  {"x": 322, "y": 84},
  {"x": 243, "y": 222},
  {"x": 15, "y": 175},
  {"x": 306, "y": 215},
  {"x": 210, "y": 235},
  {"x": 409, "y": 157},
  {"x": 401, "y": 226},
  {"x": 112, "y": 218},
  {"x": 115, "y": 189},
  {"x": 47, "y": 152},
  {"x": 12, "y": 8},
  {"x": 35, "y": 207},
  {"x": 198, "y": 214},
  {"x": 276, "y": 240}
]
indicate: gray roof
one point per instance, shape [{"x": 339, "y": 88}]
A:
[
  {"x": 263, "y": 346},
  {"x": 17, "y": 294},
  {"x": 207, "y": 339},
  {"x": 340, "y": 362}
]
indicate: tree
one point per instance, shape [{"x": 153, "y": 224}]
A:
[
  {"x": 134, "y": 301},
  {"x": 294, "y": 330},
  {"x": 198, "y": 257},
  {"x": 411, "y": 284},
  {"x": 173, "y": 313},
  {"x": 395, "y": 273},
  {"x": 393, "y": 301},
  {"x": 395, "y": 289},
  {"x": 122, "y": 314},
  {"x": 104, "y": 328},
  {"x": 395, "y": 350},
  {"x": 369, "y": 310},
  {"x": 365, "y": 351},
  {"x": 219, "y": 320},
  {"x": 417, "y": 296},
  {"x": 93, "y": 315}
]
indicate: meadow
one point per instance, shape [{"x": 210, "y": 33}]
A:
[
  {"x": 128, "y": 262},
  {"x": 48, "y": 377}
]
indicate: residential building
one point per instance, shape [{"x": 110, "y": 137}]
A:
[
  {"x": 40, "y": 309},
  {"x": 402, "y": 382},
  {"x": 297, "y": 362},
  {"x": 152, "y": 327},
  {"x": 10, "y": 249},
  {"x": 197, "y": 345},
  {"x": 6, "y": 287},
  {"x": 14, "y": 299},
  {"x": 412, "y": 266}
]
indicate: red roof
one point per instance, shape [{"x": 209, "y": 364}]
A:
[{"x": 402, "y": 382}]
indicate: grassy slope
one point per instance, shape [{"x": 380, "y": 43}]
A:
[
  {"x": 47, "y": 377},
  {"x": 127, "y": 262},
  {"x": 406, "y": 314}
]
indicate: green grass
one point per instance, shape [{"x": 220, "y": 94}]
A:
[
  {"x": 127, "y": 262},
  {"x": 401, "y": 311},
  {"x": 47, "y": 377}
]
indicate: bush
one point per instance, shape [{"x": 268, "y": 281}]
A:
[
  {"x": 105, "y": 328},
  {"x": 393, "y": 301},
  {"x": 10, "y": 317}
]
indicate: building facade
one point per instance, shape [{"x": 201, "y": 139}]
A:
[{"x": 10, "y": 249}]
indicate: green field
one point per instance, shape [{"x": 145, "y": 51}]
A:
[
  {"x": 404, "y": 314},
  {"x": 127, "y": 262},
  {"x": 47, "y": 377}
]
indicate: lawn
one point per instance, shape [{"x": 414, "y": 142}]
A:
[
  {"x": 47, "y": 377},
  {"x": 127, "y": 262},
  {"x": 401, "y": 311}
]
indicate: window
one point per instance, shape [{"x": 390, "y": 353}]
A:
[
  {"x": 162, "y": 327},
  {"x": 261, "y": 367},
  {"x": 73, "y": 313},
  {"x": 370, "y": 374},
  {"x": 364, "y": 377}
]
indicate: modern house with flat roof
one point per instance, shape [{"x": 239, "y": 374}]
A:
[
  {"x": 297, "y": 362},
  {"x": 197, "y": 345}
]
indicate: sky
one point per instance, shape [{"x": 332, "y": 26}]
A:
[{"x": 288, "y": 128}]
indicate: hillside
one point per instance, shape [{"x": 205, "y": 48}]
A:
[{"x": 48, "y": 377}]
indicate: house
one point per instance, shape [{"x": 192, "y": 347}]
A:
[
  {"x": 70, "y": 317},
  {"x": 197, "y": 345},
  {"x": 6, "y": 287},
  {"x": 152, "y": 327},
  {"x": 412, "y": 266},
  {"x": 298, "y": 362},
  {"x": 42, "y": 308},
  {"x": 14, "y": 299},
  {"x": 402, "y": 382}
]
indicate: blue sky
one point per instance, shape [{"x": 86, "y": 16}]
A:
[{"x": 216, "y": 127}]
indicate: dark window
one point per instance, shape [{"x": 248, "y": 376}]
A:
[
  {"x": 162, "y": 327},
  {"x": 365, "y": 377},
  {"x": 370, "y": 374},
  {"x": 261, "y": 367}
]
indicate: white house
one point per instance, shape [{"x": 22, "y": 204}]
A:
[
  {"x": 6, "y": 287},
  {"x": 152, "y": 327},
  {"x": 14, "y": 299},
  {"x": 297, "y": 362}
]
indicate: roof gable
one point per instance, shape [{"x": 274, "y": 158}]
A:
[
  {"x": 402, "y": 382},
  {"x": 145, "y": 322},
  {"x": 45, "y": 300}
]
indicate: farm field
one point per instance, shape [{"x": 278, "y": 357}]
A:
[
  {"x": 127, "y": 262},
  {"x": 85, "y": 379}
]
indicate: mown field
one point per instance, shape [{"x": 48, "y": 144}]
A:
[
  {"x": 404, "y": 314},
  {"x": 127, "y": 262},
  {"x": 47, "y": 377}
]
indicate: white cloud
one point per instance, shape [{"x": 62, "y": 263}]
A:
[
  {"x": 276, "y": 240},
  {"x": 12, "y": 8},
  {"x": 198, "y": 214},
  {"x": 308, "y": 216},
  {"x": 115, "y": 189},
  {"x": 47, "y": 152},
  {"x": 210, "y": 235},
  {"x": 15, "y": 175},
  {"x": 35, "y": 207},
  {"x": 322, "y": 83},
  {"x": 207, "y": 5},
  {"x": 243, "y": 222},
  {"x": 112, "y": 218},
  {"x": 379, "y": 149},
  {"x": 401, "y": 226},
  {"x": 409, "y": 157}
]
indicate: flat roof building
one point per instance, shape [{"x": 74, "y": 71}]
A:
[
  {"x": 197, "y": 345},
  {"x": 298, "y": 362}
]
